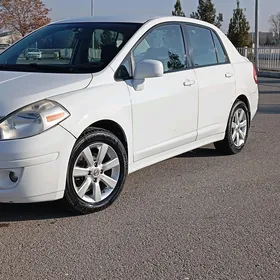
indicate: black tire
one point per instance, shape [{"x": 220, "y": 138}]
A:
[
  {"x": 92, "y": 135},
  {"x": 227, "y": 146}
]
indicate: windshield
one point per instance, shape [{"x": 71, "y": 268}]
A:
[{"x": 68, "y": 48}]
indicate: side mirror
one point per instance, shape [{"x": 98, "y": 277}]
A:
[{"x": 146, "y": 69}]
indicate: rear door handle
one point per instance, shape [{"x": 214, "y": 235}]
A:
[
  {"x": 189, "y": 83},
  {"x": 229, "y": 75}
]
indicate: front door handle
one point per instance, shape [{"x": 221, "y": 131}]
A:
[
  {"x": 189, "y": 83},
  {"x": 229, "y": 75}
]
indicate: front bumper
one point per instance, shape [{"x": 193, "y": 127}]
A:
[{"x": 40, "y": 163}]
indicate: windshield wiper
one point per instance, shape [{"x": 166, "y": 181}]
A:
[
  {"x": 56, "y": 68},
  {"x": 48, "y": 67},
  {"x": 35, "y": 67}
]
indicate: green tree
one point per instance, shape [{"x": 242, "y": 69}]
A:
[
  {"x": 178, "y": 11},
  {"x": 206, "y": 11},
  {"x": 238, "y": 31}
]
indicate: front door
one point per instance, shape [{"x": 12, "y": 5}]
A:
[{"x": 165, "y": 112}]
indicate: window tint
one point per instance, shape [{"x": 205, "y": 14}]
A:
[
  {"x": 165, "y": 44},
  {"x": 203, "y": 49},
  {"x": 222, "y": 56}
]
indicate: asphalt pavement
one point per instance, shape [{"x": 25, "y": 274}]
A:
[{"x": 196, "y": 216}]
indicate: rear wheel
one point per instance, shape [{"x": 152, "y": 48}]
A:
[
  {"x": 96, "y": 173},
  {"x": 237, "y": 130}
]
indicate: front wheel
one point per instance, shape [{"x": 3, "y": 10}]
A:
[
  {"x": 237, "y": 130},
  {"x": 96, "y": 173}
]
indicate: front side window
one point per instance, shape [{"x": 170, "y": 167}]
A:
[
  {"x": 202, "y": 46},
  {"x": 164, "y": 43},
  {"x": 69, "y": 47}
]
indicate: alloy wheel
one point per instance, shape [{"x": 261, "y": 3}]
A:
[
  {"x": 96, "y": 172},
  {"x": 239, "y": 127}
]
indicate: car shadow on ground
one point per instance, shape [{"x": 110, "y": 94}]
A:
[
  {"x": 32, "y": 211},
  {"x": 57, "y": 210},
  {"x": 201, "y": 152}
]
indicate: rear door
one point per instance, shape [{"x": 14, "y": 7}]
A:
[{"x": 216, "y": 79}]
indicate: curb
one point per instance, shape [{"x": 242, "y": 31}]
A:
[{"x": 265, "y": 74}]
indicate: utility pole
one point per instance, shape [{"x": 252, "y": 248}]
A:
[
  {"x": 257, "y": 35},
  {"x": 92, "y": 8}
]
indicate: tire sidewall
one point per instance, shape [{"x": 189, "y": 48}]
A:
[{"x": 86, "y": 140}]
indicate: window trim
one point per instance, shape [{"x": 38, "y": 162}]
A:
[
  {"x": 187, "y": 24},
  {"x": 129, "y": 57},
  {"x": 222, "y": 45},
  {"x": 186, "y": 50}
]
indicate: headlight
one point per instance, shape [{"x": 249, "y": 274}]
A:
[{"x": 32, "y": 120}]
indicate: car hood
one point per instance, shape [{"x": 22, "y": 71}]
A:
[{"x": 18, "y": 89}]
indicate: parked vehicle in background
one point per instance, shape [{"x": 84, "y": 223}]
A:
[
  {"x": 132, "y": 92},
  {"x": 32, "y": 53}
]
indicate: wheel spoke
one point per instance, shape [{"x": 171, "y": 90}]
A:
[
  {"x": 80, "y": 172},
  {"x": 102, "y": 153},
  {"x": 242, "y": 134},
  {"x": 243, "y": 124},
  {"x": 234, "y": 135},
  {"x": 96, "y": 192},
  {"x": 237, "y": 139},
  {"x": 84, "y": 188},
  {"x": 241, "y": 115},
  {"x": 108, "y": 181},
  {"x": 88, "y": 156},
  {"x": 236, "y": 117},
  {"x": 111, "y": 164}
]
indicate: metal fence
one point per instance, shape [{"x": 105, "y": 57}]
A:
[{"x": 269, "y": 57}]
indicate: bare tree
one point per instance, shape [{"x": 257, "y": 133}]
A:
[
  {"x": 274, "y": 22},
  {"x": 23, "y": 16}
]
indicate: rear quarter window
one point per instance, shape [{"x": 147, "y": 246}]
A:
[{"x": 221, "y": 53}]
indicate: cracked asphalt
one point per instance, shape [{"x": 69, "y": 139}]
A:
[{"x": 196, "y": 216}]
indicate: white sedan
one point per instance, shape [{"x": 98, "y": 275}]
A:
[{"x": 133, "y": 93}]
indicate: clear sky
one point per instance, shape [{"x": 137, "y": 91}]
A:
[{"x": 75, "y": 8}]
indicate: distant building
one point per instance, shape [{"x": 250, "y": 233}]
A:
[{"x": 266, "y": 38}]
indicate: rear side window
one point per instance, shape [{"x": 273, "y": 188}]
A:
[
  {"x": 202, "y": 46},
  {"x": 222, "y": 56}
]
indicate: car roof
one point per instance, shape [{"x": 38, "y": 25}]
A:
[
  {"x": 141, "y": 19},
  {"x": 121, "y": 19}
]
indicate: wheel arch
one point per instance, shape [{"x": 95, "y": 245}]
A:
[
  {"x": 244, "y": 99},
  {"x": 114, "y": 128}
]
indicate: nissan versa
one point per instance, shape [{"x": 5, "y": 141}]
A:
[{"x": 110, "y": 96}]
